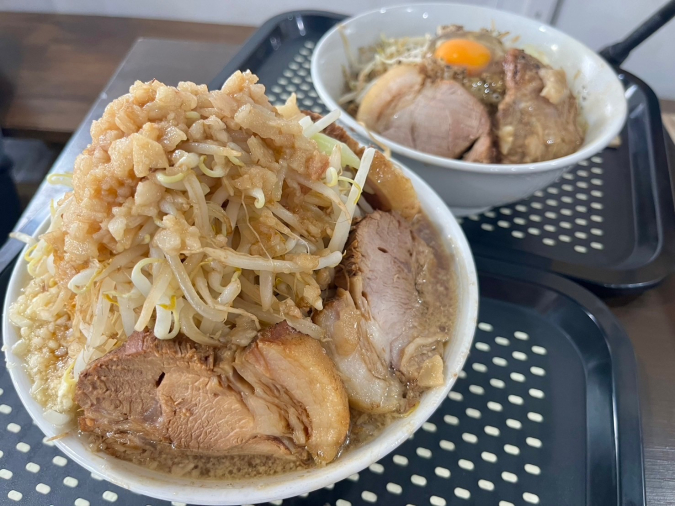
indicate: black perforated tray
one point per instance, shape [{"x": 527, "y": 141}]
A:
[
  {"x": 545, "y": 412},
  {"x": 609, "y": 223}
]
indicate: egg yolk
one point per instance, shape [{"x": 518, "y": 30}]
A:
[{"x": 464, "y": 53}]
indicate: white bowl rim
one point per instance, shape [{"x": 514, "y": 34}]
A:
[
  {"x": 208, "y": 492},
  {"x": 611, "y": 131}
]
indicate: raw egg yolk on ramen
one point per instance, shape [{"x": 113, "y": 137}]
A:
[{"x": 466, "y": 53}]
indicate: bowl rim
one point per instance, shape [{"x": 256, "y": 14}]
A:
[
  {"x": 218, "y": 492},
  {"x": 610, "y": 132}
]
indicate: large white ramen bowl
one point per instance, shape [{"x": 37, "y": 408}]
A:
[
  {"x": 465, "y": 186},
  {"x": 207, "y": 492}
]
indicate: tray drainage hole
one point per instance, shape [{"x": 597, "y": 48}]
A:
[
  {"x": 516, "y": 399},
  {"x": 596, "y": 170},
  {"x": 437, "y": 501},
  {"x": 535, "y": 417},
  {"x": 519, "y": 355},
  {"x": 519, "y": 221},
  {"x": 13, "y": 427},
  {"x": 596, "y": 245},
  {"x": 514, "y": 424},
  {"x": 59, "y": 461},
  {"x": 502, "y": 341},
  {"x": 505, "y": 210},
  {"x": 503, "y": 224},
  {"x": 532, "y": 469},
  {"x": 583, "y": 223},
  {"x": 537, "y": 371},
  {"x": 474, "y": 413},
  {"x": 400, "y": 460},
  {"x": 482, "y": 346},
  {"x": 477, "y": 390},
  {"x": 534, "y": 231},
  {"x": 429, "y": 427},
  {"x": 418, "y": 480},
  {"x": 523, "y": 336},
  {"x": 465, "y": 464},
  {"x": 451, "y": 420},
  {"x": 521, "y": 208},
  {"x": 597, "y": 193},
  {"x": 368, "y": 496},
  {"x": 533, "y": 442},
  {"x": 581, "y": 209},
  {"x": 505, "y": 503},
  {"x": 516, "y": 376},
  {"x": 580, "y": 249},
  {"x": 538, "y": 205},
  {"x": 23, "y": 447},
  {"x": 497, "y": 383},
  {"x": 486, "y": 485},
  {"x": 596, "y": 218},
  {"x": 456, "y": 396},
  {"x": 596, "y": 181},
  {"x": 488, "y": 227},
  {"x": 582, "y": 173},
  {"x": 462, "y": 374},
  {"x": 553, "y": 190},
  {"x": 565, "y": 224},
  {"x": 42, "y": 488},
  {"x": 425, "y": 453},
  {"x": 46, "y": 441},
  {"x": 69, "y": 481},
  {"x": 539, "y": 350},
  {"x": 536, "y": 393},
  {"x": 447, "y": 445},
  {"x": 510, "y": 477},
  {"x": 596, "y": 159},
  {"x": 489, "y": 457},
  {"x": 470, "y": 438},
  {"x": 6, "y": 474},
  {"x": 494, "y": 406},
  {"x": 531, "y": 498},
  {"x": 551, "y": 215},
  {"x": 486, "y": 327},
  {"x": 535, "y": 217},
  {"x": 393, "y": 488},
  {"x": 492, "y": 431},
  {"x": 596, "y": 205},
  {"x": 499, "y": 361},
  {"x": 376, "y": 468},
  {"x": 109, "y": 496},
  {"x": 568, "y": 176},
  {"x": 547, "y": 241},
  {"x": 342, "y": 502},
  {"x": 354, "y": 477},
  {"x": 32, "y": 467},
  {"x": 478, "y": 367},
  {"x": 328, "y": 487},
  {"x": 517, "y": 234},
  {"x": 512, "y": 450},
  {"x": 550, "y": 228},
  {"x": 539, "y": 193},
  {"x": 582, "y": 184},
  {"x": 14, "y": 495},
  {"x": 442, "y": 472},
  {"x": 568, "y": 187},
  {"x": 596, "y": 231},
  {"x": 581, "y": 196}
]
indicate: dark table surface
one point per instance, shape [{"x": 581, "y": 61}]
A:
[{"x": 649, "y": 319}]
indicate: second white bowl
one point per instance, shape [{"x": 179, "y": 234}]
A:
[{"x": 468, "y": 187}]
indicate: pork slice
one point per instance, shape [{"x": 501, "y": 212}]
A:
[
  {"x": 391, "y": 189},
  {"x": 439, "y": 117},
  {"x": 538, "y": 119},
  {"x": 390, "y": 275},
  {"x": 209, "y": 401}
]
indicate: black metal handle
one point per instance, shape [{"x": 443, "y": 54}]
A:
[{"x": 617, "y": 53}]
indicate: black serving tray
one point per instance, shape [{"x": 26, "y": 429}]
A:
[
  {"x": 545, "y": 412},
  {"x": 609, "y": 223}
]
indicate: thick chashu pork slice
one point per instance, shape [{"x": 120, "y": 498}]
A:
[
  {"x": 436, "y": 116},
  {"x": 539, "y": 117},
  {"x": 388, "y": 324},
  {"x": 280, "y": 396}
]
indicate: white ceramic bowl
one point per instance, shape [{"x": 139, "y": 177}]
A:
[
  {"x": 208, "y": 492},
  {"x": 468, "y": 187}
]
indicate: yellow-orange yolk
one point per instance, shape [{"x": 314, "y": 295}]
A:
[{"x": 464, "y": 53}]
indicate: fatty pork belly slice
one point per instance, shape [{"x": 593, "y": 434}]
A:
[
  {"x": 280, "y": 396},
  {"x": 436, "y": 116},
  {"x": 538, "y": 119},
  {"x": 387, "y": 325}
]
